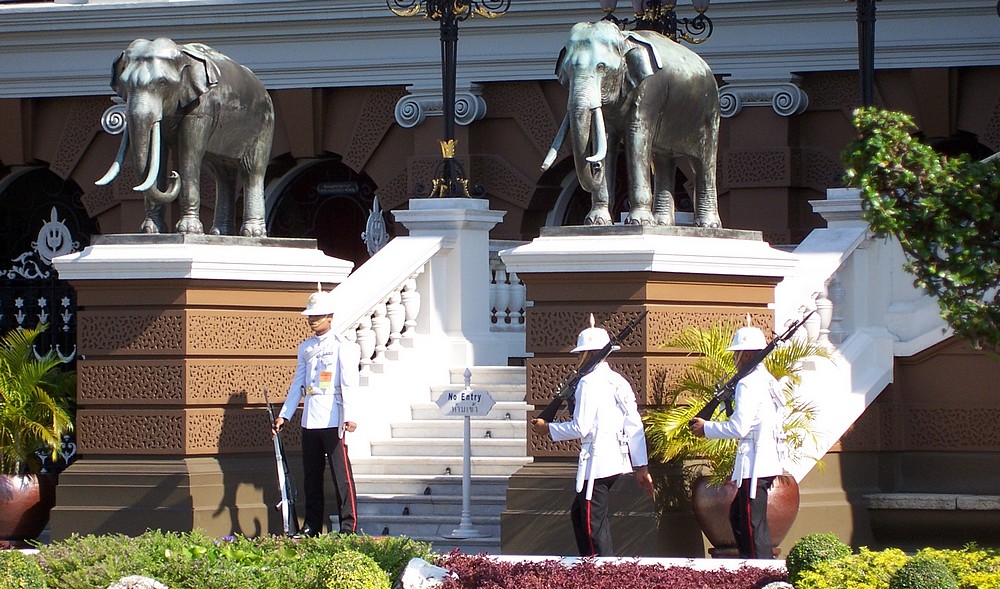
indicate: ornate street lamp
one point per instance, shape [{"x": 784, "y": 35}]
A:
[
  {"x": 450, "y": 178},
  {"x": 659, "y": 16}
]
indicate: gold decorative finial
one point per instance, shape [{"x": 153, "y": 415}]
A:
[{"x": 448, "y": 148}]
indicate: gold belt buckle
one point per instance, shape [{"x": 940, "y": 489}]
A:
[{"x": 310, "y": 390}]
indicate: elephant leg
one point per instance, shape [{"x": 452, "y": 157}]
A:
[
  {"x": 600, "y": 201},
  {"x": 253, "y": 192},
  {"x": 638, "y": 152},
  {"x": 153, "y": 223},
  {"x": 190, "y": 153},
  {"x": 664, "y": 176},
  {"x": 706, "y": 205},
  {"x": 227, "y": 181}
]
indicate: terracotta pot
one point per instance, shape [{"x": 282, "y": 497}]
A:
[
  {"x": 25, "y": 503},
  {"x": 711, "y": 510}
]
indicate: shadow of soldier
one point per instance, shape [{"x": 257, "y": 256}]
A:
[{"x": 247, "y": 467}]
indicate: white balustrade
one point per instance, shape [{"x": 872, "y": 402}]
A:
[
  {"x": 507, "y": 293},
  {"x": 396, "y": 314}
]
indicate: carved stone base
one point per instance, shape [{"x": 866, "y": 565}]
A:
[
  {"x": 178, "y": 338},
  {"x": 537, "y": 520},
  {"x": 221, "y": 496}
]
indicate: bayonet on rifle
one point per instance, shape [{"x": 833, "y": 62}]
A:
[
  {"x": 567, "y": 390},
  {"x": 289, "y": 521},
  {"x": 724, "y": 392}
]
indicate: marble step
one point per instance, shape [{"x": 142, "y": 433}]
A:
[
  {"x": 454, "y": 447},
  {"x": 452, "y": 428},
  {"x": 438, "y": 465},
  {"x": 431, "y": 527},
  {"x": 416, "y": 484},
  {"x": 430, "y": 505}
]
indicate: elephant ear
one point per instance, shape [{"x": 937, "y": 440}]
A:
[
  {"x": 560, "y": 72},
  {"x": 642, "y": 59},
  {"x": 116, "y": 77},
  {"x": 201, "y": 73}
]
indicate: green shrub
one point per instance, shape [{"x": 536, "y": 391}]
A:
[
  {"x": 864, "y": 570},
  {"x": 18, "y": 571},
  {"x": 812, "y": 550},
  {"x": 972, "y": 566},
  {"x": 923, "y": 572},
  {"x": 197, "y": 561},
  {"x": 350, "y": 569}
]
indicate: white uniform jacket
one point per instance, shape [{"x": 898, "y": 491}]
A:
[
  {"x": 756, "y": 424},
  {"x": 607, "y": 422},
  {"x": 326, "y": 377}
]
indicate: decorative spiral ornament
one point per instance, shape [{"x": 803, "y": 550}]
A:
[
  {"x": 114, "y": 120},
  {"x": 409, "y": 112},
  {"x": 469, "y": 108},
  {"x": 730, "y": 104},
  {"x": 789, "y": 101}
]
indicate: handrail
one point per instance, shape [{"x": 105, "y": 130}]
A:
[{"x": 378, "y": 277}]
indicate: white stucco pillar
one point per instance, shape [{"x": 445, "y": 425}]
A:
[{"x": 456, "y": 286}]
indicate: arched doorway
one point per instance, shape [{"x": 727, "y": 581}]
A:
[{"x": 325, "y": 200}]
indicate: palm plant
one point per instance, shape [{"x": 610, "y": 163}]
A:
[
  {"x": 35, "y": 401},
  {"x": 667, "y": 433}
]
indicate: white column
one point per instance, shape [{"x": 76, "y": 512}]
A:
[{"x": 456, "y": 283}]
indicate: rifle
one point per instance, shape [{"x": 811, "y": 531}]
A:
[
  {"x": 724, "y": 392},
  {"x": 289, "y": 521},
  {"x": 567, "y": 390}
]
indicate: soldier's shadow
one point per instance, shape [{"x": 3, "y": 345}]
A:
[{"x": 244, "y": 432}]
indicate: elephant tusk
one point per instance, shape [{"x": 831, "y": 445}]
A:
[
  {"x": 556, "y": 143},
  {"x": 600, "y": 138},
  {"x": 116, "y": 166},
  {"x": 154, "y": 159}
]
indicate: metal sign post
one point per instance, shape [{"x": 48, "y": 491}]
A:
[{"x": 466, "y": 403}]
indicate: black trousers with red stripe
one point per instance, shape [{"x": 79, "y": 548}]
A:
[
  {"x": 748, "y": 517},
  {"x": 590, "y": 519},
  {"x": 318, "y": 447}
]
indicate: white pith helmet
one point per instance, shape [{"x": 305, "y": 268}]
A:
[
  {"x": 592, "y": 338},
  {"x": 319, "y": 303},
  {"x": 748, "y": 338}
]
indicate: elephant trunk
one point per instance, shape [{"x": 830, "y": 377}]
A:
[
  {"x": 146, "y": 151},
  {"x": 587, "y": 130}
]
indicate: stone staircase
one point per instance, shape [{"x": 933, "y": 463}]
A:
[{"x": 412, "y": 483}]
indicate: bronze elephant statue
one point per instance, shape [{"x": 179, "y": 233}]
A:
[
  {"x": 201, "y": 106},
  {"x": 659, "y": 99}
]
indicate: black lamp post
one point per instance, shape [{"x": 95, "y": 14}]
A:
[
  {"x": 866, "y": 50},
  {"x": 660, "y": 16},
  {"x": 449, "y": 178}
]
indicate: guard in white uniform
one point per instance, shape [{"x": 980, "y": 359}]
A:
[
  {"x": 613, "y": 442},
  {"x": 756, "y": 423},
  {"x": 326, "y": 378}
]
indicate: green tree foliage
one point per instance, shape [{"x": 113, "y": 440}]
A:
[{"x": 944, "y": 211}]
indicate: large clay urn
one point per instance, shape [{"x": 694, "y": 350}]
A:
[
  {"x": 25, "y": 503},
  {"x": 711, "y": 510}
]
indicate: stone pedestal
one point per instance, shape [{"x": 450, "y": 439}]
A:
[
  {"x": 682, "y": 276},
  {"x": 177, "y": 338},
  {"x": 458, "y": 284}
]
